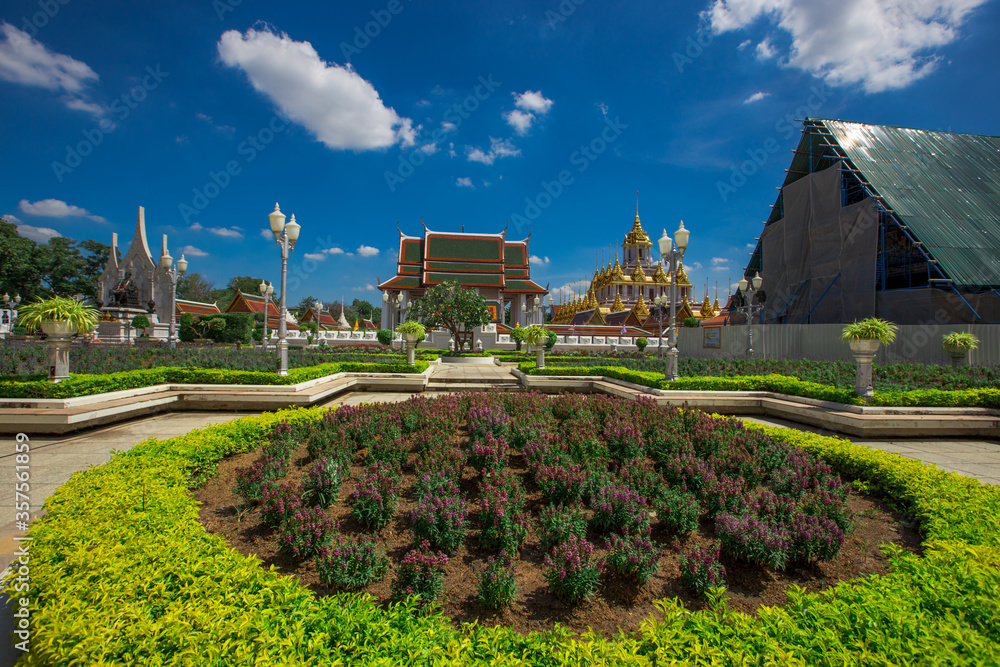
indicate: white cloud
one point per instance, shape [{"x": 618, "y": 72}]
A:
[
  {"x": 233, "y": 232},
  {"x": 693, "y": 267},
  {"x": 720, "y": 264},
  {"x": 334, "y": 251},
  {"x": 55, "y": 208},
  {"x": 538, "y": 261},
  {"x": 465, "y": 182},
  {"x": 756, "y": 97},
  {"x": 316, "y": 256},
  {"x": 765, "y": 50},
  {"x": 533, "y": 102},
  {"x": 499, "y": 148},
  {"x": 530, "y": 105},
  {"x": 429, "y": 149},
  {"x": 224, "y": 129},
  {"x": 451, "y": 150},
  {"x": 881, "y": 45},
  {"x": 28, "y": 62},
  {"x": 520, "y": 120},
  {"x": 448, "y": 127},
  {"x": 368, "y": 287},
  {"x": 744, "y": 44},
  {"x": 423, "y": 103},
  {"x": 343, "y": 110},
  {"x": 10, "y": 217},
  {"x": 36, "y": 234},
  {"x": 367, "y": 251},
  {"x": 266, "y": 233},
  {"x": 194, "y": 252}
]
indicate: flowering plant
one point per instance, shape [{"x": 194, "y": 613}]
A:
[
  {"x": 252, "y": 480},
  {"x": 572, "y": 574},
  {"x": 701, "y": 569},
  {"x": 421, "y": 573},
  {"x": 277, "y": 503},
  {"x": 634, "y": 556},
  {"x": 442, "y": 520},
  {"x": 305, "y": 532},
  {"x": 321, "y": 483},
  {"x": 560, "y": 482},
  {"x": 619, "y": 508},
  {"x": 351, "y": 565},
  {"x": 375, "y": 495},
  {"x": 489, "y": 452},
  {"x": 754, "y": 540},
  {"x": 678, "y": 510},
  {"x": 557, "y": 523},
  {"x": 501, "y": 511},
  {"x": 498, "y": 585}
]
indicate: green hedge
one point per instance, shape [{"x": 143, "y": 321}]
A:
[
  {"x": 122, "y": 572},
  {"x": 87, "y": 385},
  {"x": 783, "y": 384}
]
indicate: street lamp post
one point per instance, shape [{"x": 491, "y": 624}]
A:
[
  {"x": 12, "y": 307},
  {"x": 661, "y": 305},
  {"x": 267, "y": 291},
  {"x": 166, "y": 261},
  {"x": 535, "y": 309},
  {"x": 285, "y": 237},
  {"x": 749, "y": 290},
  {"x": 673, "y": 251}
]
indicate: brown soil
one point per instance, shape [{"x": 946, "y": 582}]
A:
[{"x": 619, "y": 605}]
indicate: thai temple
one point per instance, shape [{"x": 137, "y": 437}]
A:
[
  {"x": 622, "y": 293},
  {"x": 492, "y": 264}
]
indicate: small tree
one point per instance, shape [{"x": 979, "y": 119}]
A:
[
  {"x": 517, "y": 335},
  {"x": 203, "y": 327},
  {"x": 384, "y": 336},
  {"x": 449, "y": 306},
  {"x": 641, "y": 342},
  {"x": 141, "y": 322}
]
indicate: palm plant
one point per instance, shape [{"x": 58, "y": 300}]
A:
[{"x": 871, "y": 328}]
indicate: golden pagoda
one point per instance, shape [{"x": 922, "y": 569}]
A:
[
  {"x": 640, "y": 309},
  {"x": 706, "y": 308},
  {"x": 620, "y": 285}
]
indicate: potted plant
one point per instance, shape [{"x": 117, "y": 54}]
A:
[
  {"x": 958, "y": 344},
  {"x": 865, "y": 337},
  {"x": 60, "y": 318},
  {"x": 412, "y": 333},
  {"x": 536, "y": 336}
]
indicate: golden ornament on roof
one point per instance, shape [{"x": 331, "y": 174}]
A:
[
  {"x": 640, "y": 309},
  {"x": 638, "y": 235},
  {"x": 706, "y": 308},
  {"x": 638, "y": 276},
  {"x": 617, "y": 306},
  {"x": 660, "y": 276}
]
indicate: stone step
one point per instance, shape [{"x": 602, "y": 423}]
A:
[{"x": 472, "y": 386}]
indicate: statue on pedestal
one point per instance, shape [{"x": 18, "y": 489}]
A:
[{"x": 125, "y": 294}]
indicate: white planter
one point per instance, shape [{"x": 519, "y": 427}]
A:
[
  {"x": 864, "y": 345},
  {"x": 410, "y": 337},
  {"x": 58, "y": 328}
]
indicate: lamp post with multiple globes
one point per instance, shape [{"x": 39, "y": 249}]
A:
[
  {"x": 672, "y": 250},
  {"x": 749, "y": 289},
  {"x": 267, "y": 291},
  {"x": 166, "y": 262},
  {"x": 285, "y": 236}
]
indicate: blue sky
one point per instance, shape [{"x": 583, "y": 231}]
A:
[{"x": 359, "y": 116}]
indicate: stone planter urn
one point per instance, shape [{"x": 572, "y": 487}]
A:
[
  {"x": 958, "y": 355},
  {"x": 60, "y": 337},
  {"x": 540, "y": 356},
  {"x": 411, "y": 346},
  {"x": 864, "y": 350}
]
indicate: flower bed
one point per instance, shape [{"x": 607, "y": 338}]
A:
[{"x": 122, "y": 571}]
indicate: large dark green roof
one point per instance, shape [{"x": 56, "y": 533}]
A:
[{"x": 944, "y": 186}]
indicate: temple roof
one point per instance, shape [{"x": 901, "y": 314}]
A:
[{"x": 196, "y": 307}]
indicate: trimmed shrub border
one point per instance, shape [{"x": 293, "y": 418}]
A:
[
  {"x": 783, "y": 384},
  {"x": 122, "y": 571},
  {"x": 88, "y": 385}
]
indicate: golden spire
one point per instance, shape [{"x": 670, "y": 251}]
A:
[
  {"x": 618, "y": 306},
  {"x": 638, "y": 235},
  {"x": 682, "y": 276},
  {"x": 640, "y": 309},
  {"x": 715, "y": 306},
  {"x": 660, "y": 276},
  {"x": 706, "y": 307},
  {"x": 638, "y": 276}
]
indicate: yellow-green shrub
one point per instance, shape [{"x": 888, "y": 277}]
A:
[{"x": 123, "y": 573}]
